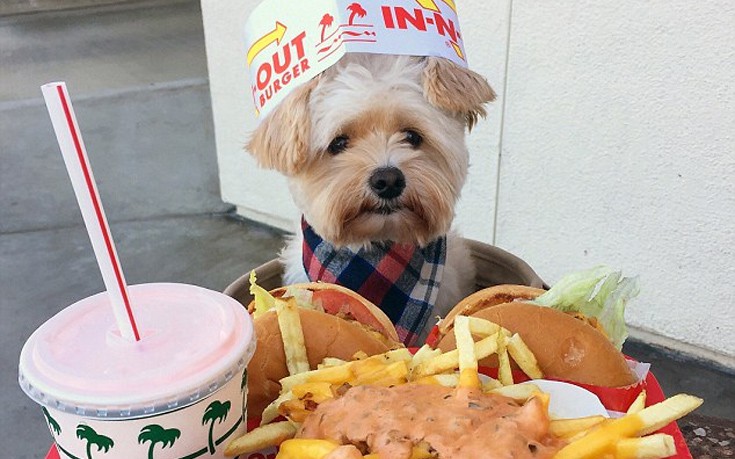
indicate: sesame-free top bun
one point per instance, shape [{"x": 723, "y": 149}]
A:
[
  {"x": 491, "y": 296},
  {"x": 336, "y": 299},
  {"x": 325, "y": 335},
  {"x": 565, "y": 347}
]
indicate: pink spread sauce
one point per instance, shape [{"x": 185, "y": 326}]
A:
[{"x": 464, "y": 423}]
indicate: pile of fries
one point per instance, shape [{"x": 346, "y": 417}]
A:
[{"x": 305, "y": 389}]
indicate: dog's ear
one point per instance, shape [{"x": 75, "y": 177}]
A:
[
  {"x": 281, "y": 141},
  {"x": 456, "y": 89}
]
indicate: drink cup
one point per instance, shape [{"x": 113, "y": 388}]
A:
[{"x": 180, "y": 392}]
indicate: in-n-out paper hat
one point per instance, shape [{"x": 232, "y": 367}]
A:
[{"x": 289, "y": 42}]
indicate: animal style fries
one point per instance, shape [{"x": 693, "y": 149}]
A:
[{"x": 304, "y": 392}]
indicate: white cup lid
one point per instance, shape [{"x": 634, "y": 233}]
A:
[{"x": 193, "y": 340}]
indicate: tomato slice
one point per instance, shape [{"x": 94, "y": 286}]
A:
[{"x": 335, "y": 302}]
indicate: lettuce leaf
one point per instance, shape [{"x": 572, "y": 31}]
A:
[
  {"x": 264, "y": 301},
  {"x": 303, "y": 297},
  {"x": 612, "y": 316},
  {"x": 574, "y": 289},
  {"x": 599, "y": 292}
]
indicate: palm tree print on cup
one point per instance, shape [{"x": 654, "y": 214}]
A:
[
  {"x": 326, "y": 21},
  {"x": 356, "y": 10},
  {"x": 52, "y": 424},
  {"x": 216, "y": 411},
  {"x": 88, "y": 434},
  {"x": 156, "y": 434}
]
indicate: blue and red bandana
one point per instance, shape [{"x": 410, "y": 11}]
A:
[{"x": 402, "y": 279}]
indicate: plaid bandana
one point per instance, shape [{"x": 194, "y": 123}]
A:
[{"x": 403, "y": 280}]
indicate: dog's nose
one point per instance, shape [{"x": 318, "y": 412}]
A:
[{"x": 387, "y": 182}]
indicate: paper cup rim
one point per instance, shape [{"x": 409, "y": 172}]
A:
[
  {"x": 146, "y": 408},
  {"x": 147, "y": 404}
]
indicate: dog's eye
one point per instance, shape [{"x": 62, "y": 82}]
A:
[
  {"x": 413, "y": 138},
  {"x": 338, "y": 144}
]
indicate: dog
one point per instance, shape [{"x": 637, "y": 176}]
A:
[{"x": 374, "y": 152}]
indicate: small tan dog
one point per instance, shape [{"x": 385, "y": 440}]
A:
[{"x": 374, "y": 151}]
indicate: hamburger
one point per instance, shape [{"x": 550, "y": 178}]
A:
[
  {"x": 575, "y": 330},
  {"x": 336, "y": 323}
]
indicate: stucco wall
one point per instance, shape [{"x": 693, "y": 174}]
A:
[{"x": 611, "y": 142}]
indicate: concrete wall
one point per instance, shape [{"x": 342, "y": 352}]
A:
[{"x": 611, "y": 142}]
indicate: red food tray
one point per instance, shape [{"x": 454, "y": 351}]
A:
[{"x": 654, "y": 395}]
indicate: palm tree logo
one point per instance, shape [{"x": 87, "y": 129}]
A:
[
  {"x": 244, "y": 380},
  {"x": 156, "y": 434},
  {"x": 326, "y": 21},
  {"x": 52, "y": 424},
  {"x": 356, "y": 10},
  {"x": 216, "y": 411},
  {"x": 88, "y": 434}
]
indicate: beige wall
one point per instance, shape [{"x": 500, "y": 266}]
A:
[{"x": 611, "y": 142}]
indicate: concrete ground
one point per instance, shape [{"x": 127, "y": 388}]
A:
[{"x": 137, "y": 76}]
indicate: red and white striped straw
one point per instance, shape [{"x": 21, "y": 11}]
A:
[{"x": 85, "y": 188}]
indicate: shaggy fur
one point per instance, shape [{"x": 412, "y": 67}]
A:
[{"x": 374, "y": 102}]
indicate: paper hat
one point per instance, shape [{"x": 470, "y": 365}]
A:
[{"x": 291, "y": 41}]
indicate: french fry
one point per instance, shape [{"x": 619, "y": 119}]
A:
[
  {"x": 305, "y": 448},
  {"x": 424, "y": 353},
  {"x": 422, "y": 450},
  {"x": 645, "y": 421},
  {"x": 468, "y": 376},
  {"x": 317, "y": 391},
  {"x": 261, "y": 437},
  {"x": 659, "y": 415},
  {"x": 523, "y": 356},
  {"x": 389, "y": 375},
  {"x": 651, "y": 447},
  {"x": 638, "y": 404},
  {"x": 271, "y": 411},
  {"x": 293, "y": 337},
  {"x": 489, "y": 383},
  {"x": 400, "y": 354},
  {"x": 359, "y": 355},
  {"x": 396, "y": 355},
  {"x": 333, "y": 375},
  {"x": 343, "y": 373},
  {"x": 364, "y": 367},
  {"x": 482, "y": 327},
  {"x": 567, "y": 428},
  {"x": 297, "y": 410},
  {"x": 440, "y": 380},
  {"x": 448, "y": 361},
  {"x": 505, "y": 376},
  {"x": 518, "y": 392},
  {"x": 331, "y": 362}
]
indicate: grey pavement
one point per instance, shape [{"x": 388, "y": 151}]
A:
[
  {"x": 137, "y": 76},
  {"x": 115, "y": 47}
]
